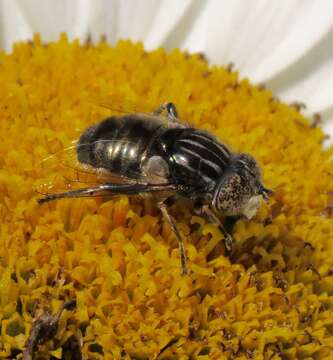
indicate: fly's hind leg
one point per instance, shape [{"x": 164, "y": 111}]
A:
[
  {"x": 128, "y": 189},
  {"x": 173, "y": 225},
  {"x": 109, "y": 189},
  {"x": 171, "y": 111}
]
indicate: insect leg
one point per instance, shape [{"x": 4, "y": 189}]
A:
[
  {"x": 228, "y": 240},
  {"x": 72, "y": 194},
  {"x": 109, "y": 189},
  {"x": 171, "y": 110},
  {"x": 173, "y": 225}
]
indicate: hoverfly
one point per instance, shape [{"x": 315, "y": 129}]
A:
[{"x": 160, "y": 155}]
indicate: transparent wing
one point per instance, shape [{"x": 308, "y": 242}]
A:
[
  {"x": 119, "y": 104},
  {"x": 62, "y": 171}
]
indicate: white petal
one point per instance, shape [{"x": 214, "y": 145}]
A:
[
  {"x": 309, "y": 79},
  {"x": 121, "y": 19},
  {"x": 23, "y": 18},
  {"x": 308, "y": 26},
  {"x": 166, "y": 19},
  {"x": 14, "y": 26},
  {"x": 286, "y": 43},
  {"x": 149, "y": 21}
]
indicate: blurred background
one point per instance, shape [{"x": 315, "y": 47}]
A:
[{"x": 286, "y": 44}]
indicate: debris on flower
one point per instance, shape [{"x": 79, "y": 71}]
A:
[{"x": 43, "y": 329}]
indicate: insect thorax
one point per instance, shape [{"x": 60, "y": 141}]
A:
[{"x": 195, "y": 158}]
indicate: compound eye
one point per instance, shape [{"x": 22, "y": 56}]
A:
[{"x": 229, "y": 195}]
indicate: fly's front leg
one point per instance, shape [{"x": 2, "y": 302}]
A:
[
  {"x": 228, "y": 240},
  {"x": 171, "y": 111},
  {"x": 173, "y": 225}
]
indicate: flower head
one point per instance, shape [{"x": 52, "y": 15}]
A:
[{"x": 118, "y": 259}]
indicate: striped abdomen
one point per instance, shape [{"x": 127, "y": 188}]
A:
[{"x": 118, "y": 144}]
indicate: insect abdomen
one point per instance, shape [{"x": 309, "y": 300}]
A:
[{"x": 117, "y": 144}]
